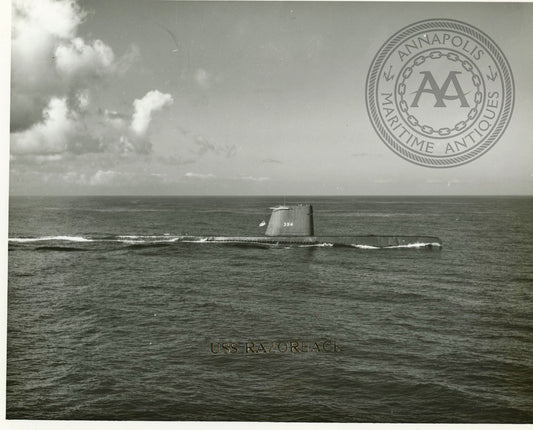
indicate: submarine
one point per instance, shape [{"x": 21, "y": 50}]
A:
[{"x": 293, "y": 225}]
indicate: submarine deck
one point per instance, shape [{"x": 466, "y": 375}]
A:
[{"x": 370, "y": 241}]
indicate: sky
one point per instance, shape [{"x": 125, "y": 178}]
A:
[{"x": 149, "y": 97}]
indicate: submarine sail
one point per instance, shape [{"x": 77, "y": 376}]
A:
[{"x": 291, "y": 221}]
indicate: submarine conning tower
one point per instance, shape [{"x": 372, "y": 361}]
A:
[{"x": 294, "y": 220}]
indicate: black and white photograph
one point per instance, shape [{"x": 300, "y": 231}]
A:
[{"x": 268, "y": 212}]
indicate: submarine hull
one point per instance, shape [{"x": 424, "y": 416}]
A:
[
  {"x": 293, "y": 225},
  {"x": 370, "y": 241}
]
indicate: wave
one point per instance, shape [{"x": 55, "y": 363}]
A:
[
  {"x": 144, "y": 245},
  {"x": 49, "y": 238},
  {"x": 128, "y": 239},
  {"x": 147, "y": 239},
  {"x": 59, "y": 248},
  {"x": 134, "y": 236},
  {"x": 408, "y": 245}
]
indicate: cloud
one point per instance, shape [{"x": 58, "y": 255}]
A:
[
  {"x": 50, "y": 60},
  {"x": 151, "y": 102},
  {"x": 89, "y": 179},
  {"x": 38, "y": 26},
  {"x": 272, "y": 161},
  {"x": 203, "y": 78},
  {"x": 199, "y": 175},
  {"x": 173, "y": 160},
  {"x": 81, "y": 60},
  {"x": 254, "y": 178},
  {"x": 205, "y": 146},
  {"x": 83, "y": 99},
  {"x": 50, "y": 136},
  {"x": 77, "y": 130},
  {"x": 118, "y": 120},
  {"x": 104, "y": 177},
  {"x": 133, "y": 136}
]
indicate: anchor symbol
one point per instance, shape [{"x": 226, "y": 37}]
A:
[
  {"x": 388, "y": 75},
  {"x": 493, "y": 75}
]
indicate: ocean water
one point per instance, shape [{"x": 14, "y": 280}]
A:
[{"x": 112, "y": 315}]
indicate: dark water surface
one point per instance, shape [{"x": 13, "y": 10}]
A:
[{"x": 110, "y": 316}]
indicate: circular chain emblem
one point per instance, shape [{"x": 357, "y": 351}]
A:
[{"x": 440, "y": 93}]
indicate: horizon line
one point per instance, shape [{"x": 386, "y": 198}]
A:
[{"x": 270, "y": 195}]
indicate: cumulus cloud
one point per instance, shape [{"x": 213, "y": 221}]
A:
[
  {"x": 50, "y": 60},
  {"x": 66, "y": 130},
  {"x": 151, "y": 102},
  {"x": 39, "y": 26},
  {"x": 132, "y": 135},
  {"x": 38, "y": 29},
  {"x": 54, "y": 73},
  {"x": 78, "y": 59},
  {"x": 59, "y": 134},
  {"x": 49, "y": 136}
]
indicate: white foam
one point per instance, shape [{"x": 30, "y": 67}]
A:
[
  {"x": 408, "y": 245},
  {"x": 200, "y": 240},
  {"x": 44, "y": 238},
  {"x": 133, "y": 239},
  {"x": 127, "y": 236},
  {"x": 148, "y": 240},
  {"x": 317, "y": 245},
  {"x": 415, "y": 245}
]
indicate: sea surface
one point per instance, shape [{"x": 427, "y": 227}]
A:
[{"x": 113, "y": 316}]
